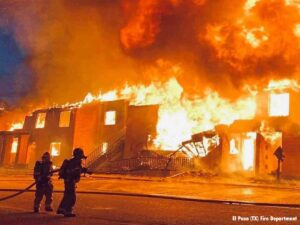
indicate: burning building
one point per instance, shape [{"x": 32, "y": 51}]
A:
[
  {"x": 186, "y": 65},
  {"x": 118, "y": 131},
  {"x": 249, "y": 145},
  {"x": 97, "y": 127}
]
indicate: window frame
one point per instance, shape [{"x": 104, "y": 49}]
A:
[
  {"x": 107, "y": 118},
  {"x": 281, "y": 113},
  {"x": 60, "y": 116},
  {"x": 37, "y": 119},
  {"x": 14, "y": 145},
  {"x": 58, "y": 150}
]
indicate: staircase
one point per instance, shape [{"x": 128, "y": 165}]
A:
[{"x": 97, "y": 157}]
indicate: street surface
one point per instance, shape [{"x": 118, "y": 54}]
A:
[
  {"x": 95, "y": 209},
  {"x": 276, "y": 194}
]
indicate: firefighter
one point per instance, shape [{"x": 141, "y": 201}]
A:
[
  {"x": 42, "y": 174},
  {"x": 70, "y": 171}
]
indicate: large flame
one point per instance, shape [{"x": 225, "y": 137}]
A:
[
  {"x": 248, "y": 151},
  {"x": 283, "y": 84},
  {"x": 181, "y": 115},
  {"x": 265, "y": 34}
]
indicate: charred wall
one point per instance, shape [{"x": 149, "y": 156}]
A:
[
  {"x": 42, "y": 137},
  {"x": 110, "y": 133},
  {"x": 91, "y": 130},
  {"x": 263, "y": 106},
  {"x": 18, "y": 157},
  {"x": 266, "y": 161},
  {"x": 290, "y": 165},
  {"x": 87, "y": 131},
  {"x": 141, "y": 123}
]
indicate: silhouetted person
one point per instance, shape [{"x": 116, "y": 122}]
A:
[
  {"x": 280, "y": 156},
  {"x": 42, "y": 175},
  {"x": 70, "y": 171}
]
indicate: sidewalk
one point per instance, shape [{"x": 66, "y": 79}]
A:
[
  {"x": 186, "y": 177},
  {"x": 269, "y": 182},
  {"x": 184, "y": 185}
]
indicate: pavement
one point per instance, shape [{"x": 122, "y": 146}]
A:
[
  {"x": 267, "y": 191},
  {"x": 181, "y": 199},
  {"x": 99, "y": 209}
]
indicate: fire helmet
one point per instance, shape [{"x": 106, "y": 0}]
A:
[
  {"x": 78, "y": 153},
  {"x": 46, "y": 156}
]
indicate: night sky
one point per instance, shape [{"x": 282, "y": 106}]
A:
[{"x": 14, "y": 74}]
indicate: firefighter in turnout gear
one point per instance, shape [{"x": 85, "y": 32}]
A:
[
  {"x": 42, "y": 174},
  {"x": 70, "y": 171}
]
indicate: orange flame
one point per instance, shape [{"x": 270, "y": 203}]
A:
[
  {"x": 16, "y": 126},
  {"x": 283, "y": 84},
  {"x": 263, "y": 31},
  {"x": 181, "y": 115}
]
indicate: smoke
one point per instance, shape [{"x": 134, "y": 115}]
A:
[
  {"x": 236, "y": 42},
  {"x": 72, "y": 47}
]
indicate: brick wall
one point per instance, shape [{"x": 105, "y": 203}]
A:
[
  {"x": 87, "y": 130},
  {"x": 142, "y": 121},
  {"x": 291, "y": 148}
]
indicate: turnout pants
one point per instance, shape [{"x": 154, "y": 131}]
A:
[
  {"x": 41, "y": 190},
  {"x": 69, "y": 198}
]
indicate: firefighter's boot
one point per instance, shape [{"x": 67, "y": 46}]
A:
[
  {"x": 36, "y": 209},
  {"x": 48, "y": 209},
  {"x": 69, "y": 214}
]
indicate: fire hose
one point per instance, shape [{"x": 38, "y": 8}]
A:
[
  {"x": 18, "y": 193},
  {"x": 31, "y": 185},
  {"x": 24, "y": 190}
]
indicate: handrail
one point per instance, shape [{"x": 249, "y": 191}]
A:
[
  {"x": 152, "y": 163},
  {"x": 112, "y": 142}
]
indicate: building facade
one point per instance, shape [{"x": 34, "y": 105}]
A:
[
  {"x": 249, "y": 145},
  {"x": 94, "y": 126},
  {"x": 246, "y": 146}
]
